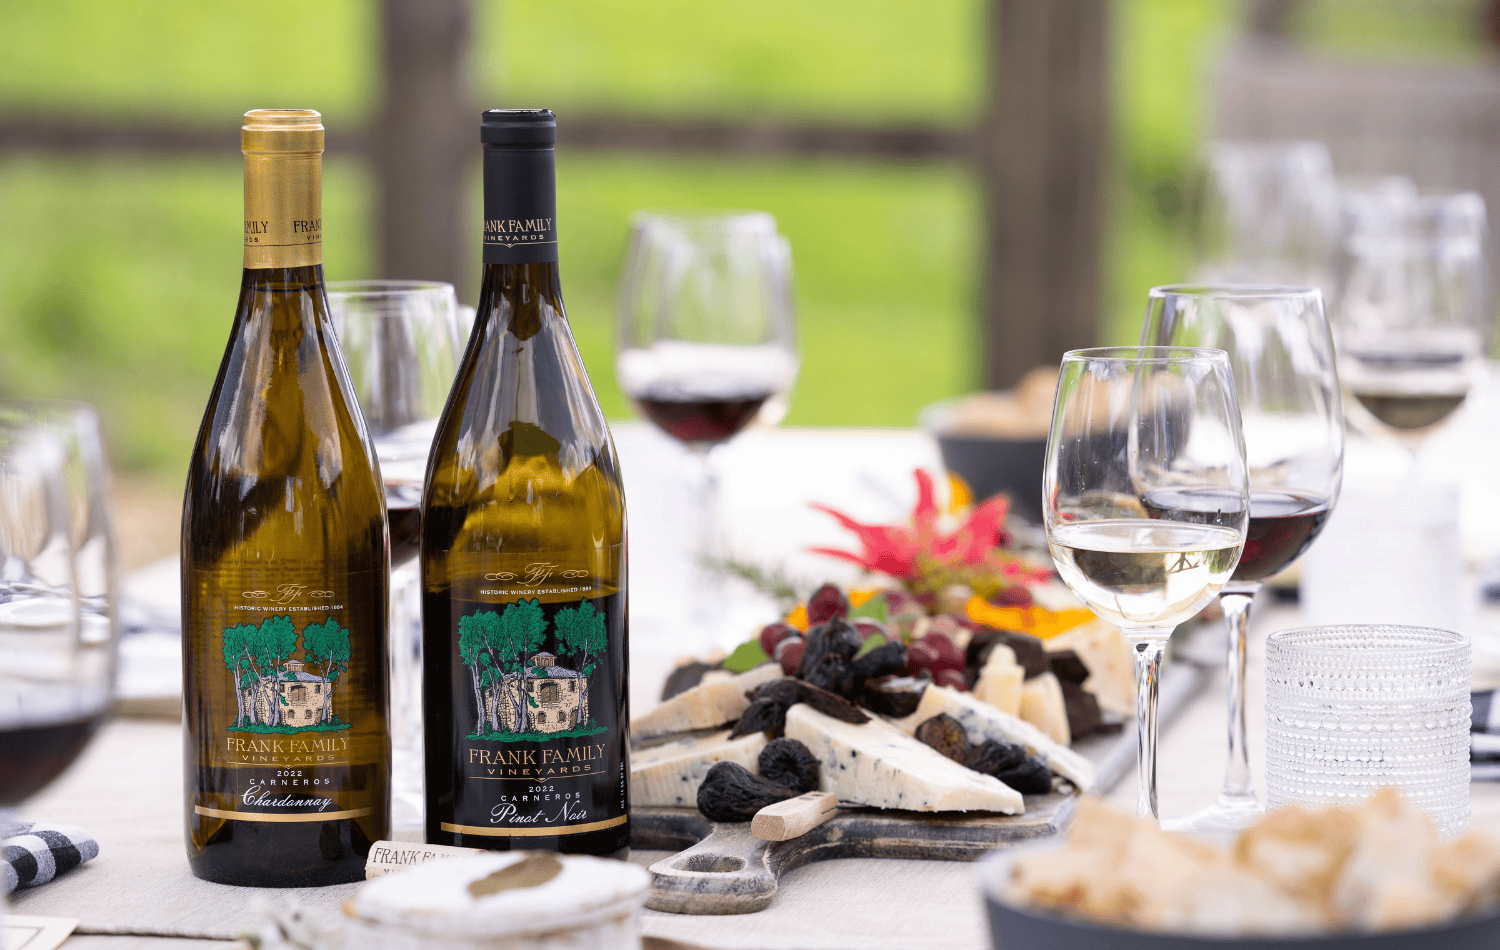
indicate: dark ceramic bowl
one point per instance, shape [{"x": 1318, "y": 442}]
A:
[
  {"x": 1017, "y": 928},
  {"x": 991, "y": 464}
]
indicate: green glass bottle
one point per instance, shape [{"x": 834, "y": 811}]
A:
[
  {"x": 284, "y": 551},
  {"x": 523, "y": 551}
]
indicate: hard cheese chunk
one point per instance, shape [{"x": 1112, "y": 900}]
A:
[
  {"x": 704, "y": 706},
  {"x": 1042, "y": 705},
  {"x": 1001, "y": 680},
  {"x": 982, "y": 721},
  {"x": 669, "y": 774},
  {"x": 878, "y": 765}
]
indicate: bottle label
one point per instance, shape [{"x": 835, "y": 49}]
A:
[
  {"x": 537, "y": 680},
  {"x": 520, "y": 205},
  {"x": 283, "y": 209},
  {"x": 289, "y": 683}
]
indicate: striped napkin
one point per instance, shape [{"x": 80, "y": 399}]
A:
[
  {"x": 1484, "y": 737},
  {"x": 35, "y": 853}
]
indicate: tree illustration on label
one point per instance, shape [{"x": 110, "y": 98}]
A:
[
  {"x": 274, "y": 691},
  {"x": 328, "y": 644},
  {"x": 520, "y": 691},
  {"x": 580, "y": 631}
]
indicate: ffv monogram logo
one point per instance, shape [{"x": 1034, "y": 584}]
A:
[{"x": 286, "y": 593}]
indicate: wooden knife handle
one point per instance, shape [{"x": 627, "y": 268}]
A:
[{"x": 786, "y": 820}]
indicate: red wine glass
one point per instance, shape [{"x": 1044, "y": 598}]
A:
[
  {"x": 58, "y": 635},
  {"x": 1281, "y": 351},
  {"x": 706, "y": 340}
]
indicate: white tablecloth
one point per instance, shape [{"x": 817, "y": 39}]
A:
[{"x": 127, "y": 786}]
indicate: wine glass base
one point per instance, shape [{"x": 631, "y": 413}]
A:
[{"x": 1226, "y": 814}]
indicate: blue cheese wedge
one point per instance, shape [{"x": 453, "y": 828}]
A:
[
  {"x": 982, "y": 721},
  {"x": 669, "y": 774},
  {"x": 705, "y": 706},
  {"x": 877, "y": 765}
]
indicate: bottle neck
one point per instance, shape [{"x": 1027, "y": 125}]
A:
[
  {"x": 283, "y": 210},
  {"x": 523, "y": 296},
  {"x": 520, "y": 206}
]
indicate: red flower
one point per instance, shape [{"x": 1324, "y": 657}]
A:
[{"x": 896, "y": 550}]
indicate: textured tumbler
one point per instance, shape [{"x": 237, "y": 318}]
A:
[{"x": 1350, "y": 709}]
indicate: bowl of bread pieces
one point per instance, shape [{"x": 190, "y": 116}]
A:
[
  {"x": 997, "y": 441},
  {"x": 1371, "y": 876}
]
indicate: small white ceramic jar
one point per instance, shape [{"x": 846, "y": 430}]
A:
[{"x": 518, "y": 900}]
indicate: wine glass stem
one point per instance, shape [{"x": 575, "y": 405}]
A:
[
  {"x": 705, "y": 595},
  {"x": 1148, "y": 654},
  {"x": 1238, "y": 787}
]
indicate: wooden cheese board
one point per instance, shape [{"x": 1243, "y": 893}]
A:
[{"x": 722, "y": 868}]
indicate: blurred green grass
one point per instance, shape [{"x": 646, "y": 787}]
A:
[{"x": 118, "y": 277}]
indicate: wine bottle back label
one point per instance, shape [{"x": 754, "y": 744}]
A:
[
  {"x": 520, "y": 205},
  {"x": 287, "y": 693},
  {"x": 535, "y": 683}
]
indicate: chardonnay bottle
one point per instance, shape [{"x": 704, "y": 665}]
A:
[
  {"x": 523, "y": 551},
  {"x": 284, "y": 563}
]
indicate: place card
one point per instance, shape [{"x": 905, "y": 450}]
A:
[
  {"x": 388, "y": 857},
  {"x": 35, "y": 933}
]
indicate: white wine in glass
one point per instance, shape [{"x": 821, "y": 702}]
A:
[{"x": 1129, "y": 422}]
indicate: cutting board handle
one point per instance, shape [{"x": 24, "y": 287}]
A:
[{"x": 729, "y": 872}]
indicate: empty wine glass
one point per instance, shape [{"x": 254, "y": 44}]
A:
[
  {"x": 1144, "y": 441},
  {"x": 401, "y": 340},
  {"x": 1281, "y": 353},
  {"x": 1267, "y": 212},
  {"x": 706, "y": 340},
  {"x": 1413, "y": 317}
]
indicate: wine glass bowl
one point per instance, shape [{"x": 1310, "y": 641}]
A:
[
  {"x": 1279, "y": 347},
  {"x": 1145, "y": 498},
  {"x": 1413, "y": 314},
  {"x": 706, "y": 334}
]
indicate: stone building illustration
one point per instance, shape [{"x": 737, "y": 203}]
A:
[
  {"x": 559, "y": 696},
  {"x": 301, "y": 696}
]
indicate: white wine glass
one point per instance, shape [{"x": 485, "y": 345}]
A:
[
  {"x": 1281, "y": 353},
  {"x": 401, "y": 340},
  {"x": 1412, "y": 318},
  {"x": 706, "y": 343},
  {"x": 1130, "y": 424}
]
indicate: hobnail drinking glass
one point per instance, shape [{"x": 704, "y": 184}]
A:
[{"x": 1351, "y": 709}]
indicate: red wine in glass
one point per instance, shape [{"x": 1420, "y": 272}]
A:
[
  {"x": 1283, "y": 522},
  {"x": 37, "y": 752},
  {"x": 702, "y": 419}
]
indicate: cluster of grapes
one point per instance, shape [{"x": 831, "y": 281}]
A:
[{"x": 930, "y": 644}]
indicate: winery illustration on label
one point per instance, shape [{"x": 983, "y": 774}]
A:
[
  {"x": 277, "y": 691},
  {"x": 521, "y": 691}
]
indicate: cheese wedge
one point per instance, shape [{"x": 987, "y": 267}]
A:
[
  {"x": 704, "y": 706},
  {"x": 877, "y": 765},
  {"x": 669, "y": 774},
  {"x": 1001, "y": 680},
  {"x": 1042, "y": 705},
  {"x": 982, "y": 721}
]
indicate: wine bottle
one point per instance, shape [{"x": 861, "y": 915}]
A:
[
  {"x": 284, "y": 556},
  {"x": 523, "y": 551}
]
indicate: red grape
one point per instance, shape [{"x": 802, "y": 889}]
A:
[
  {"x": 773, "y": 633},
  {"x": 789, "y": 654},
  {"x": 825, "y": 604}
]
